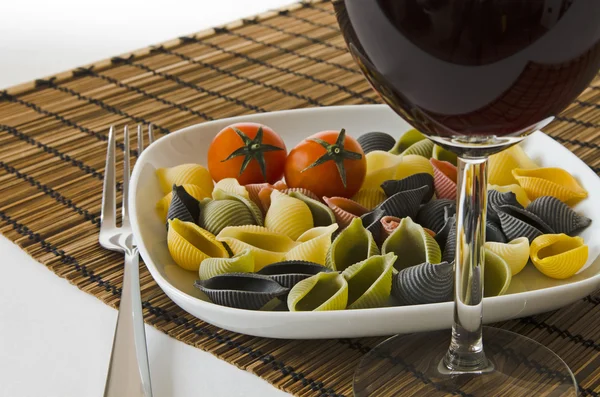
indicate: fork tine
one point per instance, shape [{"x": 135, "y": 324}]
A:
[
  {"x": 126, "y": 165},
  {"x": 140, "y": 139},
  {"x": 150, "y": 134},
  {"x": 109, "y": 200}
]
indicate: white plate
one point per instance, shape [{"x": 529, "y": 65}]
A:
[{"x": 530, "y": 292}]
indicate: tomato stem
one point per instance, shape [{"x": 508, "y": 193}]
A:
[
  {"x": 252, "y": 149},
  {"x": 336, "y": 153}
]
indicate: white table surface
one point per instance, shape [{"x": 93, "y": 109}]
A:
[{"x": 55, "y": 340}]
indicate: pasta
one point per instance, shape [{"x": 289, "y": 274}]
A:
[
  {"x": 344, "y": 210},
  {"x": 231, "y": 185},
  {"x": 162, "y": 207},
  {"x": 290, "y": 273},
  {"x": 288, "y": 215},
  {"x": 189, "y": 244},
  {"x": 501, "y": 165},
  {"x": 517, "y": 222},
  {"x": 183, "y": 206},
  {"x": 352, "y": 245},
  {"x": 370, "y": 198},
  {"x": 372, "y": 141},
  {"x": 496, "y": 275},
  {"x": 313, "y": 245},
  {"x": 323, "y": 291},
  {"x": 415, "y": 181},
  {"x": 240, "y": 263},
  {"x": 554, "y": 182},
  {"x": 515, "y": 253},
  {"x": 412, "y": 245},
  {"x": 423, "y": 148},
  {"x": 322, "y": 214},
  {"x": 516, "y": 189},
  {"x": 407, "y": 139},
  {"x": 370, "y": 281},
  {"x": 432, "y": 215},
  {"x": 444, "y": 179},
  {"x": 558, "y": 215},
  {"x": 424, "y": 283},
  {"x": 192, "y": 174},
  {"x": 558, "y": 255}
]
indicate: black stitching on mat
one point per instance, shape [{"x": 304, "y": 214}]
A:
[
  {"x": 256, "y": 61},
  {"x": 50, "y": 83},
  {"x": 286, "y": 13},
  {"x": 286, "y": 50},
  {"x": 129, "y": 61},
  {"x": 51, "y": 150},
  {"x": 587, "y": 104},
  {"x": 160, "y": 312},
  {"x": 308, "y": 4},
  {"x": 578, "y": 122},
  {"x": 92, "y": 73},
  {"x": 56, "y": 116},
  {"x": 51, "y": 192},
  {"x": 310, "y": 100},
  {"x": 299, "y": 35},
  {"x": 576, "y": 142},
  {"x": 564, "y": 334}
]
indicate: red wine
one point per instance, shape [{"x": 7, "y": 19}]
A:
[{"x": 457, "y": 68}]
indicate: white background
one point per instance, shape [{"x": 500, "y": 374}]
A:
[{"x": 54, "y": 339}]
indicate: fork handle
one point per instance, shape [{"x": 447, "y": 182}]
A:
[{"x": 128, "y": 371}]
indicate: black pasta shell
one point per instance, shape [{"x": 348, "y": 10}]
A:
[
  {"x": 433, "y": 214},
  {"x": 290, "y": 273},
  {"x": 241, "y": 290},
  {"x": 415, "y": 181},
  {"x": 183, "y": 206},
  {"x": 372, "y": 141}
]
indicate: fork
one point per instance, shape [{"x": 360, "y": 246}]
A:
[{"x": 128, "y": 371}]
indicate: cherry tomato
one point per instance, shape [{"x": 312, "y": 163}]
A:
[
  {"x": 249, "y": 152},
  {"x": 328, "y": 163}
]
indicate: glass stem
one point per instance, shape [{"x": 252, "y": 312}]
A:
[{"x": 466, "y": 347}]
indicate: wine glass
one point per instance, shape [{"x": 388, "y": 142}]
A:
[{"x": 475, "y": 76}]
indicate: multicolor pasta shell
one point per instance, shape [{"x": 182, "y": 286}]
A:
[
  {"x": 323, "y": 291},
  {"x": 189, "y": 244},
  {"x": 162, "y": 207},
  {"x": 415, "y": 181},
  {"x": 412, "y": 164},
  {"x": 444, "y": 179},
  {"x": 240, "y": 263},
  {"x": 412, "y": 244},
  {"x": 388, "y": 225},
  {"x": 288, "y": 215},
  {"x": 432, "y": 214},
  {"x": 516, "y": 189},
  {"x": 515, "y": 253},
  {"x": 267, "y": 246},
  {"x": 231, "y": 185},
  {"x": 500, "y": 165},
  {"x": 352, "y": 245},
  {"x": 497, "y": 199},
  {"x": 496, "y": 275},
  {"x": 241, "y": 290},
  {"x": 558, "y": 255},
  {"x": 345, "y": 210},
  {"x": 322, "y": 214},
  {"x": 439, "y": 153},
  {"x": 301, "y": 190},
  {"x": 219, "y": 194},
  {"x": 424, "y": 283},
  {"x": 183, "y": 206},
  {"x": 559, "y": 216},
  {"x": 313, "y": 245},
  {"x": 555, "y": 182},
  {"x": 401, "y": 205},
  {"x": 407, "y": 139},
  {"x": 369, "y": 198},
  {"x": 253, "y": 191},
  {"x": 423, "y": 148},
  {"x": 370, "y": 281},
  {"x": 372, "y": 141},
  {"x": 517, "y": 222},
  {"x": 192, "y": 174},
  {"x": 290, "y": 273},
  {"x": 216, "y": 215}
]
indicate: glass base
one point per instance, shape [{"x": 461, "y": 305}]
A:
[{"x": 411, "y": 365}]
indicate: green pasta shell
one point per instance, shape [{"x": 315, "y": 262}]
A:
[
  {"x": 240, "y": 263},
  {"x": 412, "y": 244},
  {"x": 352, "y": 245},
  {"x": 439, "y": 153},
  {"x": 370, "y": 281},
  {"x": 496, "y": 274},
  {"x": 322, "y": 214},
  {"x": 216, "y": 215},
  {"x": 323, "y": 291},
  {"x": 407, "y": 139},
  {"x": 423, "y": 148},
  {"x": 220, "y": 194}
]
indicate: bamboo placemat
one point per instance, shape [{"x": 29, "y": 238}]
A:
[{"x": 53, "y": 140}]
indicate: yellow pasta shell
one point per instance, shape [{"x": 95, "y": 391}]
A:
[
  {"x": 314, "y": 244},
  {"x": 381, "y": 166},
  {"x": 501, "y": 165},
  {"x": 413, "y": 164},
  {"x": 515, "y": 253},
  {"x": 516, "y": 189},
  {"x": 554, "y": 182},
  {"x": 323, "y": 291},
  {"x": 192, "y": 174},
  {"x": 266, "y": 246},
  {"x": 162, "y": 207},
  {"x": 231, "y": 185},
  {"x": 189, "y": 244},
  {"x": 370, "y": 198},
  {"x": 288, "y": 215},
  {"x": 558, "y": 255},
  {"x": 240, "y": 263}
]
